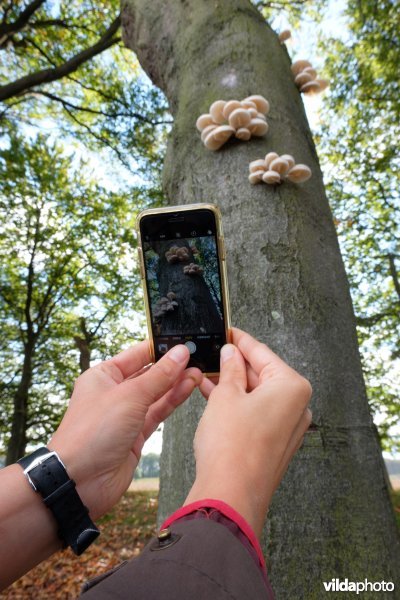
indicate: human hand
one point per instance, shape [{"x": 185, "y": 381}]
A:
[
  {"x": 254, "y": 422},
  {"x": 114, "y": 408}
]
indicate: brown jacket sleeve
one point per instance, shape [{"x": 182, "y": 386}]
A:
[{"x": 200, "y": 560}]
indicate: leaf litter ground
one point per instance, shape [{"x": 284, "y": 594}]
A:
[{"x": 124, "y": 533}]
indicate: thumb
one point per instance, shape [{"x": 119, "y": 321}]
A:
[
  {"x": 233, "y": 368},
  {"x": 162, "y": 376}
]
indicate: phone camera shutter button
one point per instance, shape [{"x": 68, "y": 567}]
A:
[{"x": 191, "y": 346}]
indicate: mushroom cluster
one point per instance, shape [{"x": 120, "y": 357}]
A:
[
  {"x": 284, "y": 35},
  {"x": 241, "y": 119},
  {"x": 165, "y": 304},
  {"x": 192, "y": 269},
  {"x": 305, "y": 77},
  {"x": 274, "y": 168},
  {"x": 177, "y": 254}
]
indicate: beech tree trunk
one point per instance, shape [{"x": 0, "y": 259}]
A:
[{"x": 332, "y": 516}]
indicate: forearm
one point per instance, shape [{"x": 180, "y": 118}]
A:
[
  {"x": 249, "y": 500},
  {"x": 28, "y": 531}
]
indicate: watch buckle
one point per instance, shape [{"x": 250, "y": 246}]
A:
[{"x": 36, "y": 462}]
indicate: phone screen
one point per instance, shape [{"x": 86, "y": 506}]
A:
[{"x": 183, "y": 278}]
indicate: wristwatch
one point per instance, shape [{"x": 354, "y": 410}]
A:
[{"x": 48, "y": 476}]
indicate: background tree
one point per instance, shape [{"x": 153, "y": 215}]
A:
[
  {"x": 65, "y": 68},
  {"x": 66, "y": 255},
  {"x": 358, "y": 143},
  {"x": 150, "y": 465},
  {"x": 62, "y": 74},
  {"x": 287, "y": 284}
]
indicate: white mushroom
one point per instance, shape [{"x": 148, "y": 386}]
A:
[
  {"x": 258, "y": 127},
  {"x": 211, "y": 143},
  {"x": 299, "y": 66},
  {"x": 216, "y": 109},
  {"x": 279, "y": 165},
  {"x": 230, "y": 106},
  {"x": 261, "y": 103},
  {"x": 299, "y": 173},
  {"x": 207, "y": 130},
  {"x": 302, "y": 78},
  {"x": 312, "y": 87},
  {"x": 284, "y": 35},
  {"x": 223, "y": 133},
  {"x": 218, "y": 136},
  {"x": 257, "y": 165},
  {"x": 256, "y": 176},
  {"x": 203, "y": 121},
  {"x": 243, "y": 134},
  {"x": 248, "y": 104},
  {"x": 271, "y": 177},
  {"x": 240, "y": 117},
  {"x": 310, "y": 71},
  {"x": 269, "y": 158},
  {"x": 289, "y": 159}
]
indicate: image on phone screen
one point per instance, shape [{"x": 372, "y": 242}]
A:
[{"x": 183, "y": 281}]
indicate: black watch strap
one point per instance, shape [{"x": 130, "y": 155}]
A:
[{"x": 48, "y": 476}]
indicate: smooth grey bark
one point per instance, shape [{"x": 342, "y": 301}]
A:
[{"x": 332, "y": 515}]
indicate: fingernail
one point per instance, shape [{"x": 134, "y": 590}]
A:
[
  {"x": 178, "y": 353},
  {"x": 227, "y": 351}
]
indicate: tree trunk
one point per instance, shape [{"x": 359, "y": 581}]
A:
[
  {"x": 17, "y": 444},
  {"x": 196, "y": 311},
  {"x": 84, "y": 346},
  {"x": 331, "y": 517}
]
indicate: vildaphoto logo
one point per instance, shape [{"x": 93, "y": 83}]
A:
[{"x": 337, "y": 585}]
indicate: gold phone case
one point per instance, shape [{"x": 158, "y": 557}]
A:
[{"x": 222, "y": 264}]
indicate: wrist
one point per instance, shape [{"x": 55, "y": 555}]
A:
[
  {"x": 240, "y": 492},
  {"x": 49, "y": 478},
  {"x": 23, "y": 516}
]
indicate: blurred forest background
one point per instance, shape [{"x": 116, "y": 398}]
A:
[{"x": 82, "y": 140}]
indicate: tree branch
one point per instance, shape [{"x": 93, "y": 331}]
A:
[
  {"x": 393, "y": 272},
  {"x": 41, "y": 51},
  {"x": 100, "y": 323},
  {"x": 42, "y": 23},
  {"x": 9, "y": 29},
  {"x": 99, "y": 138},
  {"x": 374, "y": 319},
  {"x": 280, "y": 3},
  {"x": 22, "y": 85},
  {"x": 112, "y": 115}
]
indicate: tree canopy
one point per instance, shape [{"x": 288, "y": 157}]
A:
[
  {"x": 358, "y": 142},
  {"x": 67, "y": 281}
]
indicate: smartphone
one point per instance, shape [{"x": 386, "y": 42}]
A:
[{"x": 183, "y": 271}]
